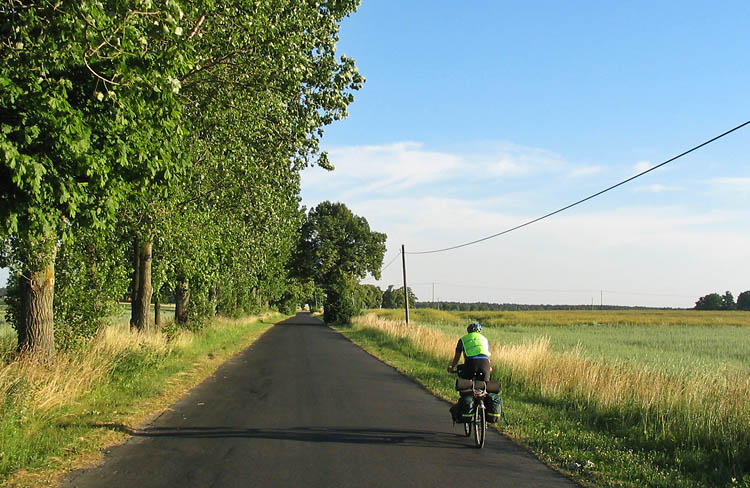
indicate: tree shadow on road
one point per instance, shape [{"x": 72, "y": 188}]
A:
[
  {"x": 340, "y": 435},
  {"x": 304, "y": 319}
]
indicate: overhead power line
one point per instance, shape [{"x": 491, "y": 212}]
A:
[
  {"x": 391, "y": 262},
  {"x": 584, "y": 199}
]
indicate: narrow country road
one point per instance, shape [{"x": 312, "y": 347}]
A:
[{"x": 305, "y": 407}]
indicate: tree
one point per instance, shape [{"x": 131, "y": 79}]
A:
[
  {"x": 743, "y": 300},
  {"x": 395, "y": 298},
  {"x": 398, "y": 298},
  {"x": 389, "y": 297},
  {"x": 336, "y": 249},
  {"x": 369, "y": 296},
  {"x": 712, "y": 301},
  {"x": 728, "y": 301},
  {"x": 178, "y": 128},
  {"x": 266, "y": 83},
  {"x": 89, "y": 110}
]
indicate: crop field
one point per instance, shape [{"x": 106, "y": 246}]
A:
[
  {"x": 679, "y": 341},
  {"x": 653, "y": 397}
]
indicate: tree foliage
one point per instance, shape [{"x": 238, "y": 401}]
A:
[
  {"x": 179, "y": 126},
  {"x": 336, "y": 250},
  {"x": 714, "y": 301},
  {"x": 395, "y": 298},
  {"x": 369, "y": 296}
]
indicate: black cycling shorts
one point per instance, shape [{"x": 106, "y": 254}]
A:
[{"x": 476, "y": 365}]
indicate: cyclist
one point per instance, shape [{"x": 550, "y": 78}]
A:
[{"x": 476, "y": 350}]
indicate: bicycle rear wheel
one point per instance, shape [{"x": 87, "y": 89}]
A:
[
  {"x": 480, "y": 425},
  {"x": 467, "y": 428}
]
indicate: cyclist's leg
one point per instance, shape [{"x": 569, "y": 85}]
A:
[
  {"x": 477, "y": 365},
  {"x": 483, "y": 365}
]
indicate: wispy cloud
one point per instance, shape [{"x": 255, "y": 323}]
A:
[
  {"x": 641, "y": 166},
  {"x": 453, "y": 197},
  {"x": 658, "y": 188},
  {"x": 584, "y": 171},
  {"x": 399, "y": 166},
  {"x": 620, "y": 249},
  {"x": 507, "y": 160},
  {"x": 396, "y": 166},
  {"x": 734, "y": 183}
]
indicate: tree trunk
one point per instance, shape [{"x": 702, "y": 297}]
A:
[
  {"x": 141, "y": 314},
  {"x": 135, "y": 284},
  {"x": 213, "y": 298},
  {"x": 36, "y": 332},
  {"x": 182, "y": 300},
  {"x": 157, "y": 312},
  {"x": 93, "y": 282}
]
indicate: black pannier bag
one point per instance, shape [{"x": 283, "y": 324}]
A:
[{"x": 464, "y": 386}]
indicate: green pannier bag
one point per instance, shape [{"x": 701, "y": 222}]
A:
[
  {"x": 493, "y": 403},
  {"x": 464, "y": 409}
]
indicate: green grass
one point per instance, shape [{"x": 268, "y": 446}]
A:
[
  {"x": 599, "y": 446},
  {"x": 36, "y": 446},
  {"x": 678, "y": 342},
  {"x": 122, "y": 313}
]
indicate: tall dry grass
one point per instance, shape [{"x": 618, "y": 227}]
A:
[
  {"x": 710, "y": 411},
  {"x": 37, "y": 387}
]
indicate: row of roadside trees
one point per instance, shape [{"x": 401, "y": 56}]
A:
[{"x": 154, "y": 148}]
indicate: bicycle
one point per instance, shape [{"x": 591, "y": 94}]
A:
[{"x": 478, "y": 389}]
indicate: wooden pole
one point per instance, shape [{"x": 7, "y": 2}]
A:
[{"x": 406, "y": 289}]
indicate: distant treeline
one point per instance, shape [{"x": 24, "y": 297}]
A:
[
  {"x": 509, "y": 307},
  {"x": 714, "y": 301}
]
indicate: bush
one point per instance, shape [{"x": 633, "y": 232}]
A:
[{"x": 339, "y": 307}]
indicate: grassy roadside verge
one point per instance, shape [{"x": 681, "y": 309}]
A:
[
  {"x": 57, "y": 417},
  {"x": 595, "y": 445}
]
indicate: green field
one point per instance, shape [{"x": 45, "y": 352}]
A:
[
  {"x": 683, "y": 341},
  {"x": 614, "y": 398}
]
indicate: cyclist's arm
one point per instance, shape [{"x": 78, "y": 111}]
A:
[
  {"x": 454, "y": 362},
  {"x": 456, "y": 357}
]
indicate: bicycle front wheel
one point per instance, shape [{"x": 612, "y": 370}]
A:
[{"x": 480, "y": 426}]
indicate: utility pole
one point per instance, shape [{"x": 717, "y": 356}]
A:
[
  {"x": 406, "y": 289},
  {"x": 433, "y": 294}
]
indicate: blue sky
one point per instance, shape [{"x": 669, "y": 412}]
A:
[{"x": 477, "y": 117}]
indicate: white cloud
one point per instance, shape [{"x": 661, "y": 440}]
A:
[
  {"x": 384, "y": 169},
  {"x": 615, "y": 245},
  {"x": 657, "y": 188},
  {"x": 395, "y": 167},
  {"x": 641, "y": 166},
  {"x": 584, "y": 171},
  {"x": 733, "y": 183},
  {"x": 665, "y": 256},
  {"x": 507, "y": 167},
  {"x": 515, "y": 161}
]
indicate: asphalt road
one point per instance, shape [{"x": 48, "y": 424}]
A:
[{"x": 305, "y": 407}]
